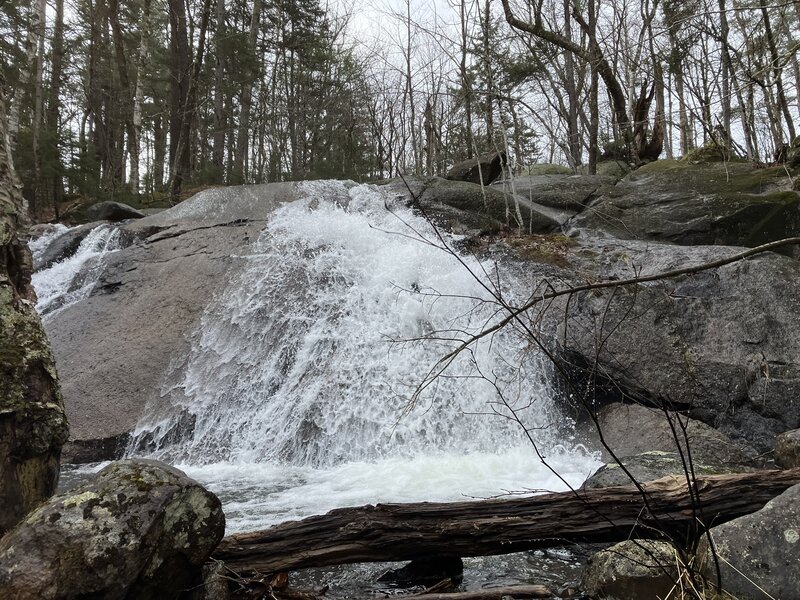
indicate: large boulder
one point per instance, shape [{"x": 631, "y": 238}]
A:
[
  {"x": 482, "y": 169},
  {"x": 720, "y": 344},
  {"x": 32, "y": 422},
  {"x": 113, "y": 211},
  {"x": 759, "y": 554},
  {"x": 632, "y": 570},
  {"x": 33, "y": 425},
  {"x": 469, "y": 209},
  {"x": 562, "y": 191},
  {"x": 717, "y": 203},
  {"x": 632, "y": 429},
  {"x": 649, "y": 466},
  {"x": 139, "y": 529}
]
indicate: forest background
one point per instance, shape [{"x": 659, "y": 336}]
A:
[{"x": 146, "y": 100}]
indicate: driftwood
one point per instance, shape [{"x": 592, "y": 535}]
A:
[
  {"x": 514, "y": 591},
  {"x": 393, "y": 532}
]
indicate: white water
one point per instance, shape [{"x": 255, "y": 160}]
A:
[
  {"x": 294, "y": 398},
  {"x": 73, "y": 278}
]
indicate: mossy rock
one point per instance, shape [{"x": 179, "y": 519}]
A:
[
  {"x": 33, "y": 425},
  {"x": 632, "y": 570},
  {"x": 715, "y": 203},
  {"x": 793, "y": 153},
  {"x": 545, "y": 169},
  {"x": 649, "y": 466},
  {"x": 139, "y": 529},
  {"x": 711, "y": 153}
]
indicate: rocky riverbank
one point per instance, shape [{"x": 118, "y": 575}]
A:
[{"x": 690, "y": 365}]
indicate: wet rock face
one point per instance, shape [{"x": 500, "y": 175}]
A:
[
  {"x": 113, "y": 348},
  {"x": 759, "y": 553},
  {"x": 721, "y": 344},
  {"x": 140, "y": 529},
  {"x": 32, "y": 422},
  {"x": 64, "y": 245}
]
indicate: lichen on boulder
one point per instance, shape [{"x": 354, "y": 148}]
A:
[
  {"x": 139, "y": 529},
  {"x": 33, "y": 425},
  {"x": 787, "y": 449},
  {"x": 632, "y": 570},
  {"x": 758, "y": 555}
]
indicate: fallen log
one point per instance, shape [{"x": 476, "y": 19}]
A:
[{"x": 394, "y": 532}]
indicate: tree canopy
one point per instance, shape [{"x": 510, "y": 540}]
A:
[{"x": 146, "y": 99}]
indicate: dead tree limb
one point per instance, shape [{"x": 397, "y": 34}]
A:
[
  {"x": 515, "y": 591},
  {"x": 393, "y": 532}
]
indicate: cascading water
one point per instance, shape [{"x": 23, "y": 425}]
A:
[
  {"x": 294, "y": 397},
  {"x": 73, "y": 278}
]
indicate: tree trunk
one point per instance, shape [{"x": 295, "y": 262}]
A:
[
  {"x": 777, "y": 70},
  {"x": 38, "y": 108},
  {"x": 409, "y": 92},
  {"x": 465, "y": 82},
  {"x": 573, "y": 133},
  {"x": 393, "y": 532},
  {"x": 54, "y": 106},
  {"x": 594, "y": 107},
  {"x": 179, "y": 85},
  {"x": 243, "y": 136},
  {"x": 218, "y": 157},
  {"x": 593, "y": 55},
  {"x": 181, "y": 167},
  {"x": 517, "y": 592},
  {"x": 23, "y": 79},
  {"x": 138, "y": 97},
  {"x": 126, "y": 99}
]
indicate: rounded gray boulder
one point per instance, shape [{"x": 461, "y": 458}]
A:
[
  {"x": 758, "y": 554},
  {"x": 114, "y": 211},
  {"x": 632, "y": 570},
  {"x": 139, "y": 529}
]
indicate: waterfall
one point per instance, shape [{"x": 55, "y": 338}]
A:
[
  {"x": 73, "y": 278},
  {"x": 295, "y": 394},
  {"x": 301, "y": 372}
]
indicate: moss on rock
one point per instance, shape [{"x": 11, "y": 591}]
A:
[
  {"x": 139, "y": 529},
  {"x": 707, "y": 203},
  {"x": 551, "y": 249},
  {"x": 33, "y": 425}
]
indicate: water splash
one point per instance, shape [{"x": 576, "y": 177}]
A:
[
  {"x": 311, "y": 354},
  {"x": 40, "y": 244},
  {"x": 73, "y": 278}
]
